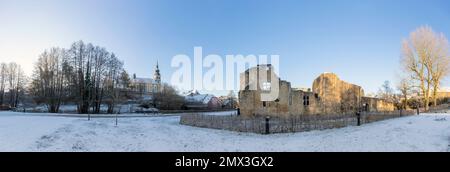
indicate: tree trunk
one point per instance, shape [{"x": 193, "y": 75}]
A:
[
  {"x": 2, "y": 95},
  {"x": 17, "y": 99},
  {"x": 427, "y": 96},
  {"x": 435, "y": 87}
]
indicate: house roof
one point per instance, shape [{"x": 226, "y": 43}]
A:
[
  {"x": 198, "y": 98},
  {"x": 191, "y": 92},
  {"x": 142, "y": 80}
]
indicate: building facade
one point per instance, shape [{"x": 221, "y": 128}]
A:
[
  {"x": 443, "y": 92},
  {"x": 147, "y": 86}
]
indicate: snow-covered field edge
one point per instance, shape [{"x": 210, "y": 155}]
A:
[{"x": 23, "y": 132}]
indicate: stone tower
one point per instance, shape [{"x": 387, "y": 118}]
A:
[
  {"x": 337, "y": 95},
  {"x": 157, "y": 79}
]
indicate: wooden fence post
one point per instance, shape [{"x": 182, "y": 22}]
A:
[
  {"x": 358, "y": 116},
  {"x": 267, "y": 125}
]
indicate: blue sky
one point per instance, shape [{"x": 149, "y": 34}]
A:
[{"x": 359, "y": 40}]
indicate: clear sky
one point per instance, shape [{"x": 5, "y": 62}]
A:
[{"x": 359, "y": 40}]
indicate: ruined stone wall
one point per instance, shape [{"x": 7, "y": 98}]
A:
[
  {"x": 247, "y": 102},
  {"x": 289, "y": 103},
  {"x": 337, "y": 95},
  {"x": 300, "y": 107},
  {"x": 250, "y": 101},
  {"x": 371, "y": 104},
  {"x": 278, "y": 107},
  {"x": 329, "y": 95},
  {"x": 251, "y": 104},
  {"x": 384, "y": 106}
]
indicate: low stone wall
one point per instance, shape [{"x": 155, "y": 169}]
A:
[
  {"x": 378, "y": 116},
  {"x": 286, "y": 125},
  {"x": 438, "y": 109},
  {"x": 195, "y": 111}
]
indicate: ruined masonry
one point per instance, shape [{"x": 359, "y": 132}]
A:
[{"x": 329, "y": 95}]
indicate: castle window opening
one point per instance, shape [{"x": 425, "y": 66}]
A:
[{"x": 306, "y": 100}]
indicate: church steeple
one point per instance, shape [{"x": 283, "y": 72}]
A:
[
  {"x": 156, "y": 79},
  {"x": 157, "y": 75}
]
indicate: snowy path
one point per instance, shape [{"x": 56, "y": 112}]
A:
[{"x": 19, "y": 132}]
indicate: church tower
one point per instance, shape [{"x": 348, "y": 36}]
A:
[{"x": 157, "y": 79}]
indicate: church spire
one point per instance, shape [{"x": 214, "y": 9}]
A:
[
  {"x": 156, "y": 79},
  {"x": 157, "y": 75}
]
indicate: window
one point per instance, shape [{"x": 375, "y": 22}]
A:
[
  {"x": 264, "y": 103},
  {"x": 305, "y": 100},
  {"x": 366, "y": 107},
  {"x": 266, "y": 86}
]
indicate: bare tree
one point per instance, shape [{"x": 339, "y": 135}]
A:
[
  {"x": 48, "y": 83},
  {"x": 99, "y": 62},
  {"x": 425, "y": 57},
  {"x": 77, "y": 60},
  {"x": 438, "y": 65},
  {"x": 85, "y": 74},
  {"x": 232, "y": 99},
  {"x": 112, "y": 82},
  {"x": 404, "y": 87},
  {"x": 386, "y": 92},
  {"x": 93, "y": 74},
  {"x": 3, "y": 78},
  {"x": 21, "y": 85},
  {"x": 16, "y": 83}
]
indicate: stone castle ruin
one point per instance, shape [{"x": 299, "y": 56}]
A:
[
  {"x": 330, "y": 103},
  {"x": 329, "y": 95}
]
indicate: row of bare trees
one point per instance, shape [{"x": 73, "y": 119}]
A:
[
  {"x": 12, "y": 81},
  {"x": 425, "y": 61},
  {"x": 85, "y": 74}
]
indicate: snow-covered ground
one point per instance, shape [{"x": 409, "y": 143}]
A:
[{"x": 24, "y": 132}]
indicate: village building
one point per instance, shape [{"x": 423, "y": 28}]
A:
[
  {"x": 443, "y": 93},
  {"x": 196, "y": 101},
  {"x": 146, "y": 87},
  {"x": 329, "y": 95}
]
